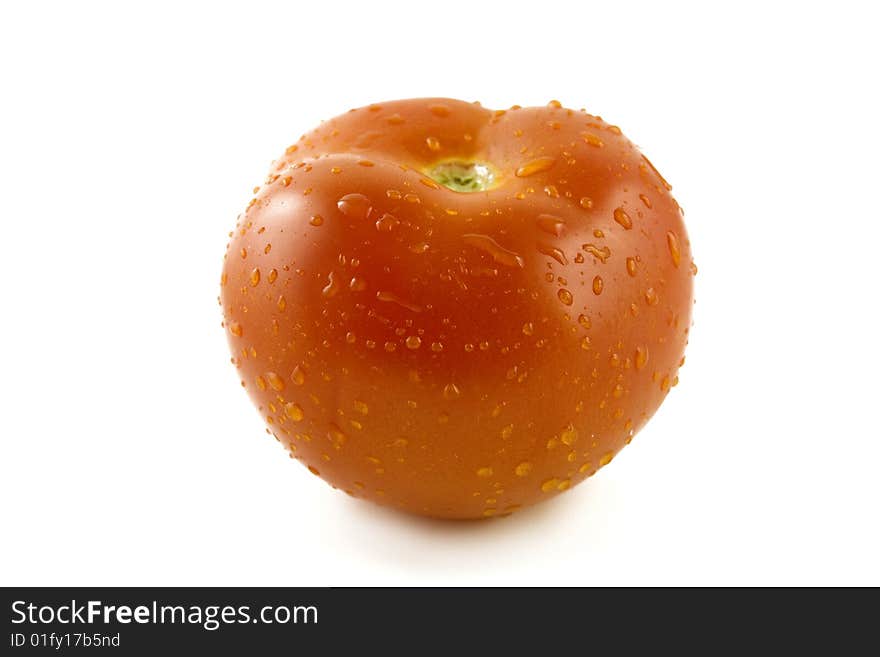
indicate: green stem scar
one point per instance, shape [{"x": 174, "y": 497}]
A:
[{"x": 463, "y": 176}]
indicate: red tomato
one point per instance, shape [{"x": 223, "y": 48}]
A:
[{"x": 456, "y": 311}]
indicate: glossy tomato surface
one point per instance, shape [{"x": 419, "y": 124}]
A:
[{"x": 458, "y": 352}]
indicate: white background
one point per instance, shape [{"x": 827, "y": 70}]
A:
[{"x": 130, "y": 139}]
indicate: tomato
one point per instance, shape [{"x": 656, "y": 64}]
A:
[{"x": 456, "y": 311}]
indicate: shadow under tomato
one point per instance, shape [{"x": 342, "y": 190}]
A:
[
  {"x": 452, "y": 527},
  {"x": 462, "y": 546}
]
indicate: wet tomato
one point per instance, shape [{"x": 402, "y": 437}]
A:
[{"x": 456, "y": 311}]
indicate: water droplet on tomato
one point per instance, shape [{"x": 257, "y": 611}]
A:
[
  {"x": 336, "y": 435},
  {"x": 551, "y": 224},
  {"x": 255, "y": 277},
  {"x": 390, "y": 297},
  {"x": 593, "y": 140},
  {"x": 499, "y": 253},
  {"x": 600, "y": 253},
  {"x": 332, "y": 286},
  {"x": 451, "y": 391},
  {"x": 356, "y": 206},
  {"x": 657, "y": 173},
  {"x": 537, "y": 165},
  {"x": 275, "y": 381},
  {"x": 550, "y": 484},
  {"x": 597, "y": 285},
  {"x": 569, "y": 435},
  {"x": 553, "y": 252},
  {"x": 565, "y": 296},
  {"x": 621, "y": 217},
  {"x": 387, "y": 223},
  {"x": 294, "y": 411},
  {"x": 674, "y": 249}
]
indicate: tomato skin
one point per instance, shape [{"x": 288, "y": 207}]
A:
[{"x": 452, "y": 354}]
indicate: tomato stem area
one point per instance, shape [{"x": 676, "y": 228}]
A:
[{"x": 463, "y": 176}]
